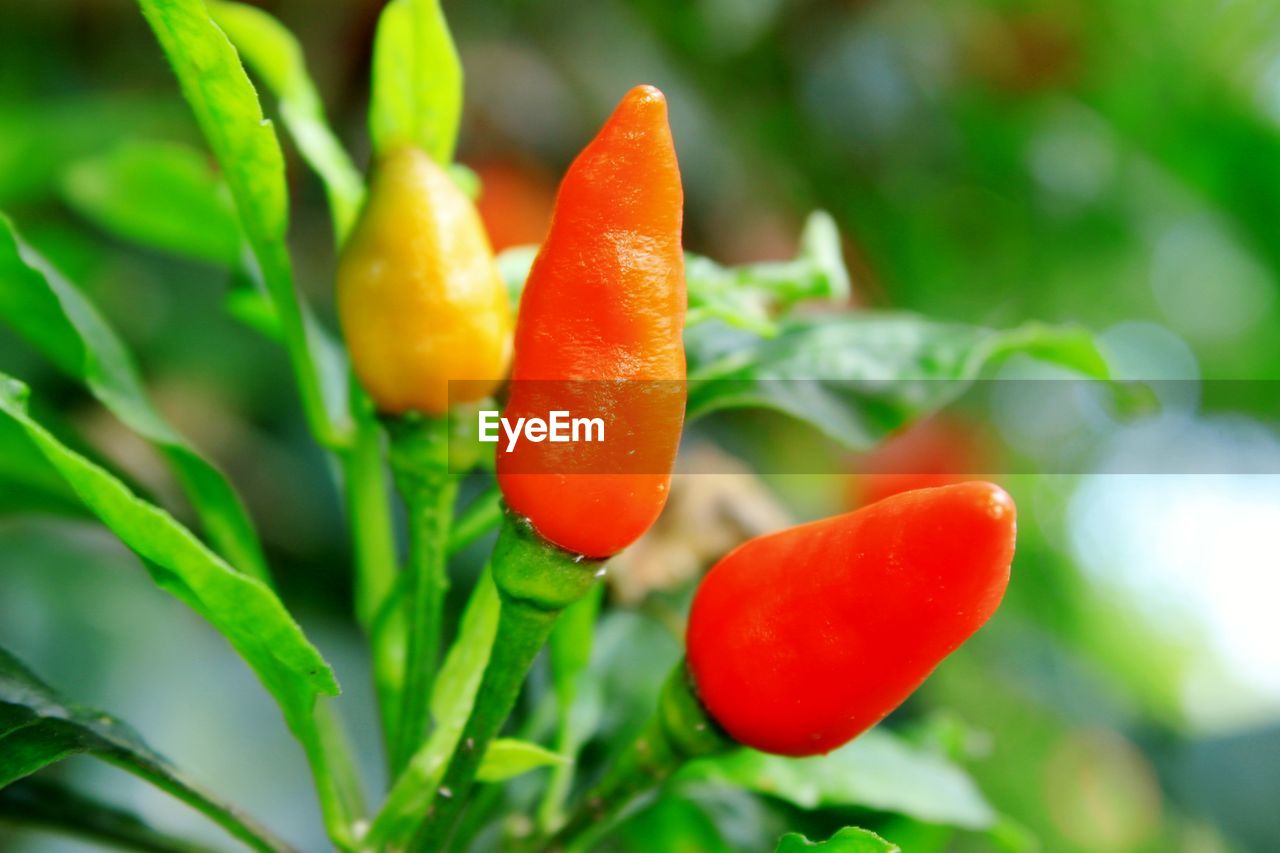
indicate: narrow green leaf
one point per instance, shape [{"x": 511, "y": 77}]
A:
[
  {"x": 851, "y": 839},
  {"x": 47, "y": 805},
  {"x": 38, "y": 727},
  {"x": 878, "y": 771},
  {"x": 481, "y": 516},
  {"x": 55, "y": 317},
  {"x": 857, "y": 377},
  {"x": 241, "y": 608},
  {"x": 507, "y": 758},
  {"x": 451, "y": 701},
  {"x": 417, "y": 81},
  {"x": 276, "y": 57},
  {"x": 159, "y": 194},
  {"x": 245, "y": 145}
]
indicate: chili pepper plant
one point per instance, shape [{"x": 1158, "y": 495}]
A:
[{"x": 493, "y": 728}]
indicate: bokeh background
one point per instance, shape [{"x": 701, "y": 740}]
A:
[{"x": 1114, "y": 164}]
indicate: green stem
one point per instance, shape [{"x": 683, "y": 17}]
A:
[
  {"x": 678, "y": 732},
  {"x": 333, "y": 769},
  {"x": 570, "y": 655},
  {"x": 419, "y": 458},
  {"x": 535, "y": 581},
  {"x": 557, "y": 791},
  {"x": 373, "y": 543}
]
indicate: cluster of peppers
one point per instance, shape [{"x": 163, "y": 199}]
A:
[{"x": 797, "y": 641}]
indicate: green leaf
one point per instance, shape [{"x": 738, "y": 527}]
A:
[
  {"x": 50, "y": 806},
  {"x": 877, "y": 771},
  {"x": 245, "y": 145},
  {"x": 451, "y": 700},
  {"x": 159, "y": 194},
  {"x": 749, "y": 296},
  {"x": 56, "y": 318},
  {"x": 507, "y": 758},
  {"x": 743, "y": 297},
  {"x": 38, "y": 728},
  {"x": 276, "y": 57},
  {"x": 851, "y": 839},
  {"x": 241, "y": 608},
  {"x": 417, "y": 81},
  {"x": 857, "y": 377}
]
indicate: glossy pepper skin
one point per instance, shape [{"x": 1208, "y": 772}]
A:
[
  {"x": 605, "y": 300},
  {"x": 801, "y": 640},
  {"x": 419, "y": 294}
]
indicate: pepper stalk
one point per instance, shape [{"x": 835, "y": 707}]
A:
[
  {"x": 536, "y": 581},
  {"x": 680, "y": 731},
  {"x": 420, "y": 464}
]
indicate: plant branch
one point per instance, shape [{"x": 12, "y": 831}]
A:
[
  {"x": 419, "y": 459},
  {"x": 678, "y": 732},
  {"x": 535, "y": 581},
  {"x": 376, "y": 564}
]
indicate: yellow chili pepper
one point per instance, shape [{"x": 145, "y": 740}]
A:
[{"x": 419, "y": 294}]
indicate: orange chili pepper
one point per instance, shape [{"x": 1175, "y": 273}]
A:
[{"x": 599, "y": 333}]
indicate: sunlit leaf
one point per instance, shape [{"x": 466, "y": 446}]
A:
[
  {"x": 245, "y": 145},
  {"x": 241, "y": 608},
  {"x": 38, "y": 728},
  {"x": 417, "y": 80},
  {"x": 56, "y": 318},
  {"x": 276, "y": 57}
]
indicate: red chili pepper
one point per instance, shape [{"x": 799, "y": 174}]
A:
[
  {"x": 604, "y": 309},
  {"x": 801, "y": 640}
]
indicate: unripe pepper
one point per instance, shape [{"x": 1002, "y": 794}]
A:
[
  {"x": 419, "y": 294},
  {"x": 801, "y": 640},
  {"x": 604, "y": 309}
]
